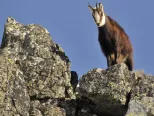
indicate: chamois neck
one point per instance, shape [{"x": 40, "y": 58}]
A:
[
  {"x": 106, "y": 24},
  {"x": 103, "y": 21}
]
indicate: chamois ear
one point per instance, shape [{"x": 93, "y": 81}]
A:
[
  {"x": 101, "y": 6},
  {"x": 96, "y": 5},
  {"x": 90, "y": 7}
]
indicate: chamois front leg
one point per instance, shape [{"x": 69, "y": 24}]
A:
[
  {"x": 117, "y": 53},
  {"x": 109, "y": 62}
]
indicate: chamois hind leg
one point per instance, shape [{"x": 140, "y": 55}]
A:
[
  {"x": 129, "y": 62},
  {"x": 121, "y": 59}
]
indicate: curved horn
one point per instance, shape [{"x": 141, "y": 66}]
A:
[{"x": 90, "y": 7}]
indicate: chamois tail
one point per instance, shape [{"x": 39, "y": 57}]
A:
[{"x": 129, "y": 63}]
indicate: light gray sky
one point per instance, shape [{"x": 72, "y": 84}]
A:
[{"x": 71, "y": 25}]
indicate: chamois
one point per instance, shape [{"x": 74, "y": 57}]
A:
[{"x": 114, "y": 42}]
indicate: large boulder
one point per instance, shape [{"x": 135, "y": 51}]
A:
[
  {"x": 33, "y": 70},
  {"x": 118, "y": 92},
  {"x": 142, "y": 97},
  {"x": 107, "y": 89}
]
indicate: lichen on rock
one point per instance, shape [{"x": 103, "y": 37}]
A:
[
  {"x": 118, "y": 92},
  {"x": 108, "y": 89},
  {"x": 42, "y": 70},
  {"x": 36, "y": 80}
]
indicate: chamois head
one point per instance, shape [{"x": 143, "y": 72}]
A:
[{"x": 98, "y": 14}]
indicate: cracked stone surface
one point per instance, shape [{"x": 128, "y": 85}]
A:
[
  {"x": 32, "y": 67},
  {"x": 118, "y": 92},
  {"x": 107, "y": 89}
]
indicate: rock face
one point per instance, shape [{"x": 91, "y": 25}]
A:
[
  {"x": 118, "y": 92},
  {"x": 36, "y": 80},
  {"x": 108, "y": 89},
  {"x": 142, "y": 98},
  {"x": 34, "y": 70}
]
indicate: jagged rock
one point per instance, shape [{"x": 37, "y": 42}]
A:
[
  {"x": 32, "y": 68},
  {"x": 142, "y": 107},
  {"x": 118, "y": 92},
  {"x": 14, "y": 98},
  {"x": 142, "y": 97},
  {"x": 35, "y": 80},
  {"x": 107, "y": 89},
  {"x": 47, "y": 107},
  {"x": 44, "y": 63}
]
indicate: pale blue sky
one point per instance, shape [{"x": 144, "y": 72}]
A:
[{"x": 71, "y": 25}]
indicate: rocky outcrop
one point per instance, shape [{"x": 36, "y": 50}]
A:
[
  {"x": 36, "y": 80},
  {"x": 118, "y": 92},
  {"x": 35, "y": 72},
  {"x": 142, "y": 97},
  {"x": 107, "y": 89}
]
